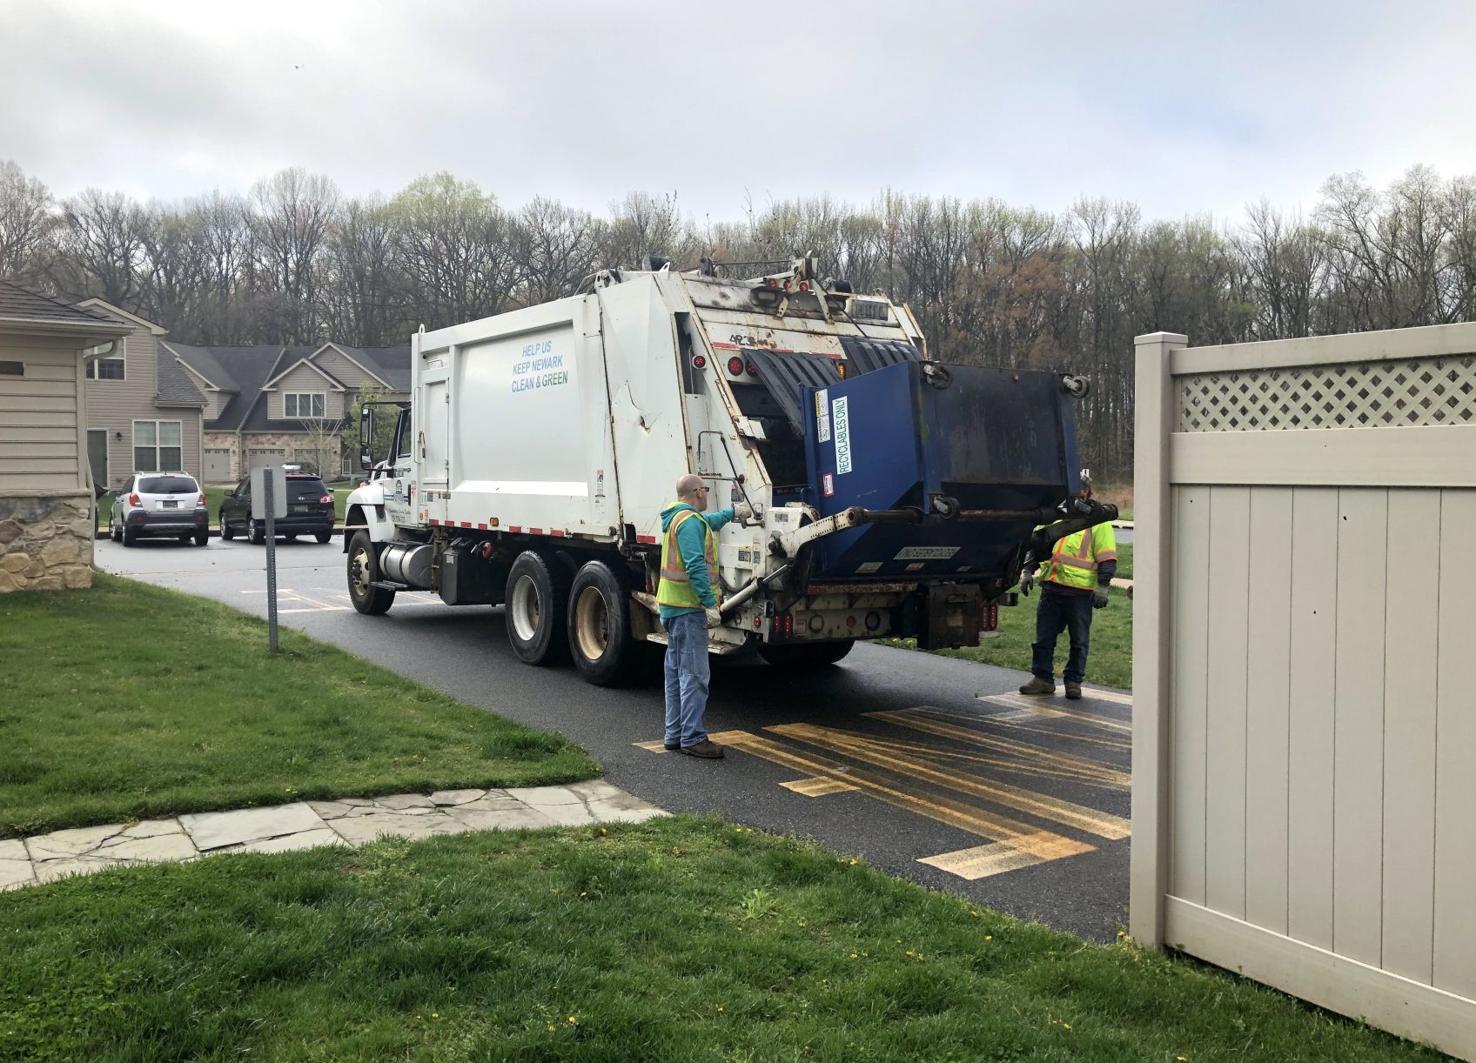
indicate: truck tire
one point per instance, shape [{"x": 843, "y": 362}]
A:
[
  {"x": 363, "y": 570},
  {"x": 226, "y": 531},
  {"x": 599, "y": 627},
  {"x": 537, "y": 601},
  {"x": 806, "y": 654}
]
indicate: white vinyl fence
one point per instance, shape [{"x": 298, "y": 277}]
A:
[{"x": 1304, "y": 678}]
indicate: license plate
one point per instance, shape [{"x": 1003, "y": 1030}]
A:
[
  {"x": 302, "y": 509},
  {"x": 169, "y": 505}
]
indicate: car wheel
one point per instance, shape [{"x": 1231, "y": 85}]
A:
[
  {"x": 537, "y": 607},
  {"x": 130, "y": 536},
  {"x": 226, "y": 531},
  {"x": 363, "y": 573},
  {"x": 323, "y": 537},
  {"x": 806, "y": 654},
  {"x": 113, "y": 530},
  {"x": 600, "y": 640},
  {"x": 256, "y": 531},
  {"x": 202, "y": 538}
]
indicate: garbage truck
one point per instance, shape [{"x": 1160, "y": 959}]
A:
[{"x": 892, "y": 495}]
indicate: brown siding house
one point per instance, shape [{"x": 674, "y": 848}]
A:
[
  {"x": 145, "y": 413},
  {"x": 46, "y": 497}
]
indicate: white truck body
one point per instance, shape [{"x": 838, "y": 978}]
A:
[{"x": 561, "y": 429}]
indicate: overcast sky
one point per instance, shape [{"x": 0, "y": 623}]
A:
[{"x": 1183, "y": 107}]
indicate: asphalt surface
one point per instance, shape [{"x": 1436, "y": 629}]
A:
[{"x": 894, "y": 756}]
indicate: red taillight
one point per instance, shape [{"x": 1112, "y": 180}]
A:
[
  {"x": 752, "y": 369},
  {"x": 326, "y": 499},
  {"x": 735, "y": 366},
  {"x": 989, "y": 618},
  {"x": 133, "y": 499},
  {"x": 201, "y": 500},
  {"x": 698, "y": 361}
]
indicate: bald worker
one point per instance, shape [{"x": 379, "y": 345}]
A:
[{"x": 688, "y": 603}]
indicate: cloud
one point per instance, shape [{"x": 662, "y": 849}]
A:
[{"x": 1181, "y": 107}]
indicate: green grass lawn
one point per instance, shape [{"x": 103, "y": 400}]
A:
[
  {"x": 679, "y": 939},
  {"x": 128, "y": 701}
]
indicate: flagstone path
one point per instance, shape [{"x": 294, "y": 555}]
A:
[{"x": 303, "y": 824}]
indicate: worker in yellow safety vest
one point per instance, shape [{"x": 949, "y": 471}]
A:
[
  {"x": 687, "y": 603},
  {"x": 1073, "y": 582}
]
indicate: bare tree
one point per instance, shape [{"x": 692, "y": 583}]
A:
[
  {"x": 102, "y": 245},
  {"x": 290, "y": 216},
  {"x": 27, "y": 224}
]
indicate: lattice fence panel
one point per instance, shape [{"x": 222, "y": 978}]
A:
[{"x": 1398, "y": 394}]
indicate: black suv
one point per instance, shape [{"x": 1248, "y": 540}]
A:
[{"x": 309, "y": 511}]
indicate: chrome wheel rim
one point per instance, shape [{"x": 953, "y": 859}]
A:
[{"x": 526, "y": 609}]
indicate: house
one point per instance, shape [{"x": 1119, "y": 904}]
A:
[
  {"x": 266, "y": 405},
  {"x": 46, "y": 497},
  {"x": 144, "y": 413}
]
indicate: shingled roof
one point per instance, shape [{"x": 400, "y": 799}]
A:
[{"x": 19, "y": 304}]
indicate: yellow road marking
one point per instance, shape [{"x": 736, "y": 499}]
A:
[
  {"x": 819, "y": 786},
  {"x": 1047, "y": 711},
  {"x": 981, "y": 861},
  {"x": 1108, "y": 695},
  {"x": 883, "y": 754},
  {"x": 1042, "y": 845},
  {"x": 1079, "y": 768}
]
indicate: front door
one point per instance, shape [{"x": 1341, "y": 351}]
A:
[{"x": 97, "y": 456}]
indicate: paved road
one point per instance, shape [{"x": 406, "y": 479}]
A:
[{"x": 930, "y": 768}]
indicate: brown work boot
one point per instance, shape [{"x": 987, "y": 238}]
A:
[
  {"x": 706, "y": 749},
  {"x": 1038, "y": 687},
  {"x": 1073, "y": 691}
]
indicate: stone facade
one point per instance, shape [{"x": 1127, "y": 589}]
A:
[{"x": 45, "y": 542}]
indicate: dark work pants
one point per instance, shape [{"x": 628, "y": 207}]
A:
[{"x": 1057, "y": 612}]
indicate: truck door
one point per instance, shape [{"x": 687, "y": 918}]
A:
[{"x": 435, "y": 464}]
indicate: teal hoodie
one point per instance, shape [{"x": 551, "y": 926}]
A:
[{"x": 689, "y": 541}]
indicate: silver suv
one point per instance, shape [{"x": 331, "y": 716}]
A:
[{"x": 163, "y": 504}]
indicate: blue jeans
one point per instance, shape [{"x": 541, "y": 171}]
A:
[
  {"x": 686, "y": 678},
  {"x": 1057, "y": 612}
]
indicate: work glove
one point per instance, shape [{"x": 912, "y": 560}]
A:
[
  {"x": 714, "y": 618},
  {"x": 742, "y": 512},
  {"x": 1099, "y": 597},
  {"x": 1027, "y": 583}
]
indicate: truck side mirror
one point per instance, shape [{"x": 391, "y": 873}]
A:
[{"x": 366, "y": 436}]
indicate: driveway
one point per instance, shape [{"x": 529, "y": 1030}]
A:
[{"x": 931, "y": 768}]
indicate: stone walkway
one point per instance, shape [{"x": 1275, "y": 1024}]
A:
[{"x": 304, "y": 824}]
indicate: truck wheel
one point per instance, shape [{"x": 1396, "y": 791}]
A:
[
  {"x": 599, "y": 627},
  {"x": 537, "y": 604},
  {"x": 226, "y": 531},
  {"x": 806, "y": 654},
  {"x": 363, "y": 570}
]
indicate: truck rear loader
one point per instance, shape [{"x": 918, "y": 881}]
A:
[{"x": 892, "y": 495}]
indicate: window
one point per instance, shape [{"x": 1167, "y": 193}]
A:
[
  {"x": 304, "y": 403},
  {"x": 168, "y": 485},
  {"x": 12, "y": 368},
  {"x": 157, "y": 446},
  {"x": 111, "y": 367}
]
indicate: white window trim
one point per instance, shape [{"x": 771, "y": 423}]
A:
[
  {"x": 120, "y": 354},
  {"x": 299, "y": 395},
  {"x": 134, "y": 444}
]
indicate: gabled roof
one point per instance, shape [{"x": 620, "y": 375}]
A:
[
  {"x": 247, "y": 368},
  {"x": 23, "y": 307},
  {"x": 390, "y": 364},
  {"x": 107, "y": 309},
  {"x": 203, "y": 361},
  {"x": 307, "y": 361},
  {"x": 173, "y": 386}
]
